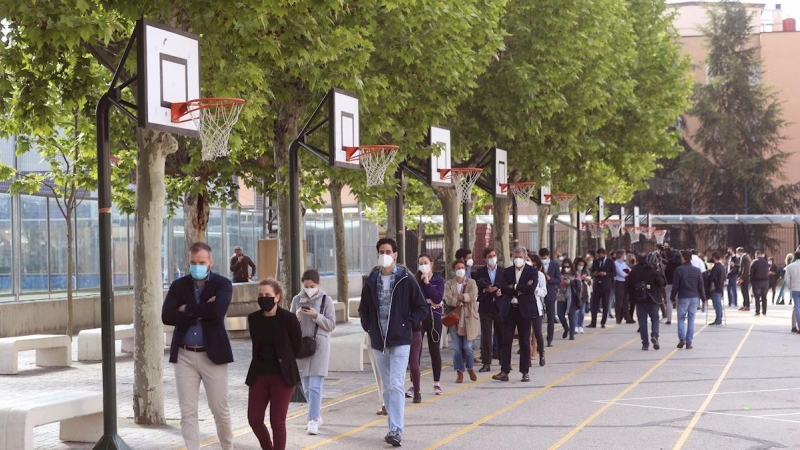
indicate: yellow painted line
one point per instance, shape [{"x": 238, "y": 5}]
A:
[
  {"x": 434, "y": 399},
  {"x": 533, "y": 394},
  {"x": 699, "y": 412},
  {"x": 625, "y": 392}
]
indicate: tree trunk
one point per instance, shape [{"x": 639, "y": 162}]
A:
[
  {"x": 70, "y": 273},
  {"x": 543, "y": 227},
  {"x": 501, "y": 230},
  {"x": 196, "y": 212},
  {"x": 148, "y": 371},
  {"x": 391, "y": 218},
  {"x": 342, "y": 280},
  {"x": 285, "y": 130},
  {"x": 451, "y": 214}
]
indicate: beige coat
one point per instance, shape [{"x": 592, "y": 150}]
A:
[{"x": 469, "y": 320}]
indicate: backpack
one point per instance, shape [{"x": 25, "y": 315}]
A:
[{"x": 641, "y": 291}]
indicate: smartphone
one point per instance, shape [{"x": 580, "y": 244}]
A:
[{"x": 305, "y": 308}]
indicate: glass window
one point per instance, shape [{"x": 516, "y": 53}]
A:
[
  {"x": 87, "y": 229},
  {"x": 33, "y": 215},
  {"x": 6, "y": 245},
  {"x": 179, "y": 263},
  {"x": 58, "y": 249},
  {"x": 214, "y": 239},
  {"x": 121, "y": 248}
]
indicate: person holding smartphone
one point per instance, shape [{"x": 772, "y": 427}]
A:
[{"x": 491, "y": 307}]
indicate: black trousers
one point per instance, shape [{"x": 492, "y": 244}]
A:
[
  {"x": 514, "y": 321},
  {"x": 432, "y": 326},
  {"x": 745, "y": 294},
  {"x": 600, "y": 295},
  {"x": 536, "y": 323},
  {"x": 551, "y": 317},
  {"x": 491, "y": 330},
  {"x": 643, "y": 311},
  {"x": 760, "y": 290},
  {"x": 621, "y": 308}
]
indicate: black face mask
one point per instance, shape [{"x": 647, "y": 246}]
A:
[{"x": 266, "y": 303}]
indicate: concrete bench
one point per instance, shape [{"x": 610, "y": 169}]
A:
[
  {"x": 52, "y": 350},
  {"x": 347, "y": 353},
  {"x": 237, "y": 327},
  {"x": 340, "y": 311},
  {"x": 90, "y": 342},
  {"x": 352, "y": 307},
  {"x": 80, "y": 415}
]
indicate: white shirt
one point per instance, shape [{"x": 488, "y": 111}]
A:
[
  {"x": 514, "y": 300},
  {"x": 697, "y": 262},
  {"x": 460, "y": 288},
  {"x": 792, "y": 276}
]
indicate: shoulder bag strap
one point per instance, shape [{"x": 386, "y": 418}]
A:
[{"x": 321, "y": 310}]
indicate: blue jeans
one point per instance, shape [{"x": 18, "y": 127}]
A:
[
  {"x": 463, "y": 350},
  {"x": 392, "y": 364},
  {"x": 732, "y": 291},
  {"x": 312, "y": 389},
  {"x": 716, "y": 300},
  {"x": 796, "y": 299},
  {"x": 580, "y": 315},
  {"x": 686, "y": 306}
]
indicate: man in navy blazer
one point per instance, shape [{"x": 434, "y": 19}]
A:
[
  {"x": 603, "y": 271},
  {"x": 196, "y": 305},
  {"x": 552, "y": 271},
  {"x": 519, "y": 285},
  {"x": 492, "y": 305}
]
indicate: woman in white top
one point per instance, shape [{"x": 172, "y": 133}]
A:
[{"x": 537, "y": 341}]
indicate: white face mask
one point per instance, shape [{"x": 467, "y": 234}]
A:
[
  {"x": 567, "y": 269},
  {"x": 580, "y": 268},
  {"x": 311, "y": 292},
  {"x": 470, "y": 262},
  {"x": 385, "y": 261},
  {"x": 425, "y": 268},
  {"x": 492, "y": 261},
  {"x": 545, "y": 260},
  {"x": 460, "y": 273},
  {"x": 519, "y": 262},
  {"x": 530, "y": 263}
]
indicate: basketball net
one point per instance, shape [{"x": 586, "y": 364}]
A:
[
  {"x": 464, "y": 179},
  {"x": 214, "y": 119},
  {"x": 375, "y": 162},
  {"x": 595, "y": 229},
  {"x": 564, "y": 201},
  {"x": 522, "y": 191},
  {"x": 614, "y": 226},
  {"x": 660, "y": 235}
]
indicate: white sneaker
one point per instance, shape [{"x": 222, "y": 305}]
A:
[
  {"x": 313, "y": 427},
  {"x": 319, "y": 421},
  {"x": 580, "y": 330}
]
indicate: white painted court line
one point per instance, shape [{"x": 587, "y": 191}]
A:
[
  {"x": 704, "y": 412},
  {"x": 702, "y": 395}
]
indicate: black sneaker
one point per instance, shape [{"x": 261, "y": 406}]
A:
[
  {"x": 645, "y": 347},
  {"x": 655, "y": 343},
  {"x": 681, "y": 343},
  {"x": 393, "y": 438},
  {"x": 417, "y": 397}
]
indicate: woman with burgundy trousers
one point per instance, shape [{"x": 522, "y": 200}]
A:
[{"x": 273, "y": 373}]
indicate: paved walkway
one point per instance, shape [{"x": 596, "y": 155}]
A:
[{"x": 738, "y": 388}]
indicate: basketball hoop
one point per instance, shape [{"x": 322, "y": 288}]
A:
[
  {"x": 375, "y": 159},
  {"x": 464, "y": 179},
  {"x": 595, "y": 229},
  {"x": 522, "y": 190},
  {"x": 214, "y": 119},
  {"x": 660, "y": 235},
  {"x": 564, "y": 201},
  {"x": 648, "y": 232},
  {"x": 639, "y": 231},
  {"x": 613, "y": 226}
]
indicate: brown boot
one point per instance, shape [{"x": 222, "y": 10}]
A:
[
  {"x": 459, "y": 376},
  {"x": 472, "y": 375}
]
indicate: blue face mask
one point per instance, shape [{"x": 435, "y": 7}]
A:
[{"x": 198, "y": 272}]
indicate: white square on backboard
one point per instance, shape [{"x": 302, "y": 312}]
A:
[
  {"x": 443, "y": 161},
  {"x": 545, "y": 195},
  {"x": 343, "y": 127},
  {"x": 500, "y": 172},
  {"x": 168, "y": 71}
]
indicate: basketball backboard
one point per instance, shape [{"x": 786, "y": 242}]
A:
[
  {"x": 168, "y": 65},
  {"x": 439, "y": 166},
  {"x": 500, "y": 174},
  {"x": 546, "y": 197},
  {"x": 343, "y": 128}
]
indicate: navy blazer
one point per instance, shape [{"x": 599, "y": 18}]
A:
[
  {"x": 554, "y": 270},
  {"x": 490, "y": 302},
  {"x": 211, "y": 315},
  {"x": 524, "y": 291},
  {"x": 605, "y": 283}
]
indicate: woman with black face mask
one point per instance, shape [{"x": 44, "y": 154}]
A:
[{"x": 273, "y": 373}]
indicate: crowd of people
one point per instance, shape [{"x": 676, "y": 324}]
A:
[{"x": 399, "y": 308}]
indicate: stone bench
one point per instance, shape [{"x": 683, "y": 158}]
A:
[
  {"x": 52, "y": 350},
  {"x": 80, "y": 415},
  {"x": 352, "y": 307},
  {"x": 340, "y": 310},
  {"x": 90, "y": 342},
  {"x": 347, "y": 353},
  {"x": 237, "y": 327}
]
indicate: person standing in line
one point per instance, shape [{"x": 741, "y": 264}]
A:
[
  {"x": 645, "y": 289},
  {"x": 314, "y": 310},
  {"x": 603, "y": 269},
  {"x": 687, "y": 286},
  {"x": 733, "y": 278},
  {"x": 520, "y": 284},
  {"x": 621, "y": 270},
  {"x": 774, "y": 276},
  {"x": 792, "y": 279},
  {"x": 239, "y": 264},
  {"x": 586, "y": 282},
  {"x": 391, "y": 300},
  {"x": 759, "y": 279},
  {"x": 552, "y": 272},
  {"x": 491, "y": 307},
  {"x": 433, "y": 289},
  {"x": 465, "y": 255},
  {"x": 568, "y": 299},
  {"x": 744, "y": 278},
  {"x": 196, "y": 305},
  {"x": 716, "y": 282},
  {"x": 460, "y": 297},
  {"x": 273, "y": 373},
  {"x": 537, "y": 340}
]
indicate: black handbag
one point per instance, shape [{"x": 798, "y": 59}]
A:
[{"x": 308, "y": 345}]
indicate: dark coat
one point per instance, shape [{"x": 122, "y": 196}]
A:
[
  {"x": 716, "y": 280},
  {"x": 759, "y": 271},
  {"x": 287, "y": 345},
  {"x": 688, "y": 283},
  {"x": 489, "y": 302},
  {"x": 554, "y": 271},
  {"x": 606, "y": 282},
  {"x": 647, "y": 273},
  {"x": 744, "y": 268},
  {"x": 408, "y": 307},
  {"x": 239, "y": 269},
  {"x": 524, "y": 291},
  {"x": 211, "y": 315}
]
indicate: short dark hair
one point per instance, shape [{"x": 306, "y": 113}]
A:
[
  {"x": 716, "y": 256},
  {"x": 462, "y": 253},
  {"x": 197, "y": 247},
  {"x": 686, "y": 255},
  {"x": 536, "y": 260},
  {"x": 619, "y": 253},
  {"x": 601, "y": 250},
  {"x": 694, "y": 251},
  {"x": 797, "y": 256},
  {"x": 486, "y": 251},
  {"x": 641, "y": 257},
  {"x": 456, "y": 262},
  {"x": 544, "y": 251},
  {"x": 311, "y": 275},
  {"x": 384, "y": 241}
]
